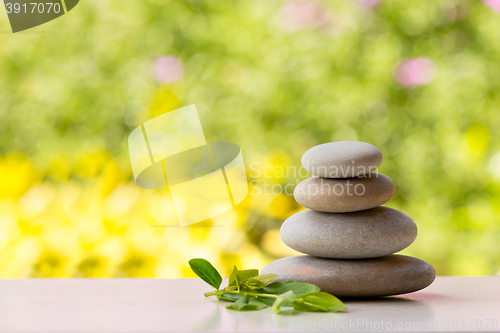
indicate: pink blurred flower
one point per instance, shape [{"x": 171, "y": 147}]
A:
[
  {"x": 493, "y": 4},
  {"x": 369, "y": 3},
  {"x": 415, "y": 72},
  {"x": 299, "y": 15},
  {"x": 167, "y": 69}
]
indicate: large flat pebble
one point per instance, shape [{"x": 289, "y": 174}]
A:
[
  {"x": 344, "y": 195},
  {"x": 366, "y": 234},
  {"x": 382, "y": 276}
]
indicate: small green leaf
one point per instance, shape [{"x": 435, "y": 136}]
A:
[
  {"x": 283, "y": 286},
  {"x": 229, "y": 297},
  {"x": 268, "y": 300},
  {"x": 255, "y": 301},
  {"x": 288, "y": 296},
  {"x": 318, "y": 302},
  {"x": 233, "y": 280},
  {"x": 247, "y": 273},
  {"x": 259, "y": 281},
  {"x": 237, "y": 277},
  {"x": 206, "y": 272},
  {"x": 238, "y": 304},
  {"x": 247, "y": 303}
]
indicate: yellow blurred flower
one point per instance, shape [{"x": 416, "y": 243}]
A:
[
  {"x": 165, "y": 100},
  {"x": 17, "y": 174},
  {"x": 477, "y": 139}
]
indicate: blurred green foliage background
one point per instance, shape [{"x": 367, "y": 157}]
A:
[{"x": 418, "y": 79}]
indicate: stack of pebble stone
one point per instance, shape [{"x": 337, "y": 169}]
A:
[{"x": 348, "y": 237}]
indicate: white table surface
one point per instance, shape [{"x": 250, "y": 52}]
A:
[{"x": 158, "y": 305}]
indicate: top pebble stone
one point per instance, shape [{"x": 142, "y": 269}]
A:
[{"x": 343, "y": 159}]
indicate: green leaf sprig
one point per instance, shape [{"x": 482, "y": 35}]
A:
[{"x": 250, "y": 291}]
